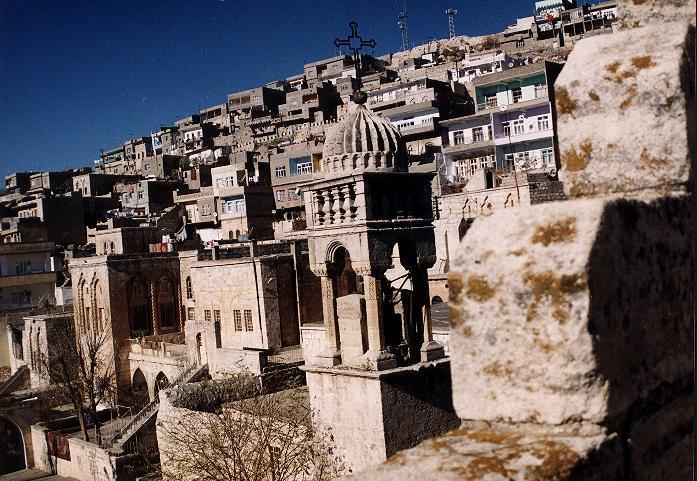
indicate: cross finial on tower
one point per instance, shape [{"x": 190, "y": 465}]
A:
[{"x": 355, "y": 43}]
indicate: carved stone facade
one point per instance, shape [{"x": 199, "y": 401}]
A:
[
  {"x": 364, "y": 209},
  {"x": 132, "y": 295}
]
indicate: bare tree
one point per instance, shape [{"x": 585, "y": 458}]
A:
[
  {"x": 79, "y": 365},
  {"x": 257, "y": 437}
]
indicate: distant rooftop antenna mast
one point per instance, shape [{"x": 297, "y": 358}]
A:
[
  {"x": 402, "y": 24},
  {"x": 451, "y": 12}
]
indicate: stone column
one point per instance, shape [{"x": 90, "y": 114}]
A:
[
  {"x": 377, "y": 352},
  {"x": 430, "y": 349},
  {"x": 154, "y": 308},
  {"x": 330, "y": 356}
]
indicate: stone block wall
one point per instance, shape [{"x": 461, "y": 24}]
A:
[
  {"x": 572, "y": 339},
  {"x": 312, "y": 341}
]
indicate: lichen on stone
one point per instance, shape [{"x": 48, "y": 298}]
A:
[
  {"x": 495, "y": 369},
  {"x": 565, "y": 104},
  {"x": 642, "y": 62},
  {"x": 478, "y": 289},
  {"x": 546, "y": 286},
  {"x": 558, "y": 231},
  {"x": 650, "y": 162},
  {"x": 594, "y": 95},
  {"x": 578, "y": 160},
  {"x": 631, "y": 94}
]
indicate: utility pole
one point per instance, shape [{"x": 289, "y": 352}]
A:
[{"x": 451, "y": 12}]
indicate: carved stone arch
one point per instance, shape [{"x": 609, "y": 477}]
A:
[
  {"x": 81, "y": 303},
  {"x": 12, "y": 445},
  {"x": 332, "y": 248},
  {"x": 166, "y": 301},
  {"x": 139, "y": 305}
]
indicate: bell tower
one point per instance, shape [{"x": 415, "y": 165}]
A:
[
  {"x": 362, "y": 205},
  {"x": 380, "y": 383}
]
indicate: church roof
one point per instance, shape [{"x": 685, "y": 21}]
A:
[{"x": 364, "y": 131}]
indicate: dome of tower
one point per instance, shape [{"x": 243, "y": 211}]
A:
[{"x": 364, "y": 140}]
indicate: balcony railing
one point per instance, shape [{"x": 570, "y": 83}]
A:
[
  {"x": 473, "y": 140},
  {"x": 492, "y": 102},
  {"x": 507, "y": 132}
]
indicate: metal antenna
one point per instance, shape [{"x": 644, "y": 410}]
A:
[
  {"x": 402, "y": 25},
  {"x": 451, "y": 12}
]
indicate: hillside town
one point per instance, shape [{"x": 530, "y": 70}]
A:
[{"x": 294, "y": 254}]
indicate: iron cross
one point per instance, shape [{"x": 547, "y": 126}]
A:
[{"x": 355, "y": 43}]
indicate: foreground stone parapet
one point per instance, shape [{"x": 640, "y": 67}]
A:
[
  {"x": 574, "y": 313},
  {"x": 487, "y": 453},
  {"x": 625, "y": 112}
]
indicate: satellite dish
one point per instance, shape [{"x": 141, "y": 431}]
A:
[
  {"x": 552, "y": 173},
  {"x": 503, "y": 108}
]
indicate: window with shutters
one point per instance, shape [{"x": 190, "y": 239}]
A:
[
  {"x": 248, "y": 326},
  {"x": 237, "y": 318}
]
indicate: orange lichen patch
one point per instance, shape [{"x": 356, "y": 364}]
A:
[
  {"x": 544, "y": 346},
  {"x": 638, "y": 2},
  {"x": 611, "y": 146},
  {"x": 578, "y": 189},
  {"x": 478, "y": 289},
  {"x": 628, "y": 74},
  {"x": 455, "y": 286},
  {"x": 669, "y": 100},
  {"x": 546, "y": 286},
  {"x": 565, "y": 104},
  {"x": 594, "y": 95},
  {"x": 495, "y": 369},
  {"x": 643, "y": 62},
  {"x": 438, "y": 444},
  {"x": 631, "y": 94},
  {"x": 650, "y": 162},
  {"x": 517, "y": 252},
  {"x": 613, "y": 67},
  {"x": 559, "y": 231},
  {"x": 481, "y": 466},
  {"x": 558, "y": 460},
  {"x": 578, "y": 160}
]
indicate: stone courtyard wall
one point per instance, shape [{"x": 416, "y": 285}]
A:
[{"x": 572, "y": 339}]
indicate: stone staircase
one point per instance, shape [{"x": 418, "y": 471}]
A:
[
  {"x": 118, "y": 442},
  {"x": 7, "y": 386}
]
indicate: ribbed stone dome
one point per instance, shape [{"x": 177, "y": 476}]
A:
[{"x": 363, "y": 132}]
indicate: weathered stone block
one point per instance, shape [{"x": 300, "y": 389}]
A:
[
  {"x": 489, "y": 454},
  {"x": 353, "y": 331},
  {"x": 625, "y": 105},
  {"x": 637, "y": 13},
  {"x": 572, "y": 314}
]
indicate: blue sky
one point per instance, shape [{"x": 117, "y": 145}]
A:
[{"x": 77, "y": 76}]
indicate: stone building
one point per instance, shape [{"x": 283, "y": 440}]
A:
[
  {"x": 363, "y": 208},
  {"x": 132, "y": 295},
  {"x": 94, "y": 184},
  {"x": 241, "y": 303},
  {"x": 28, "y": 273},
  {"x": 147, "y": 197}
]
